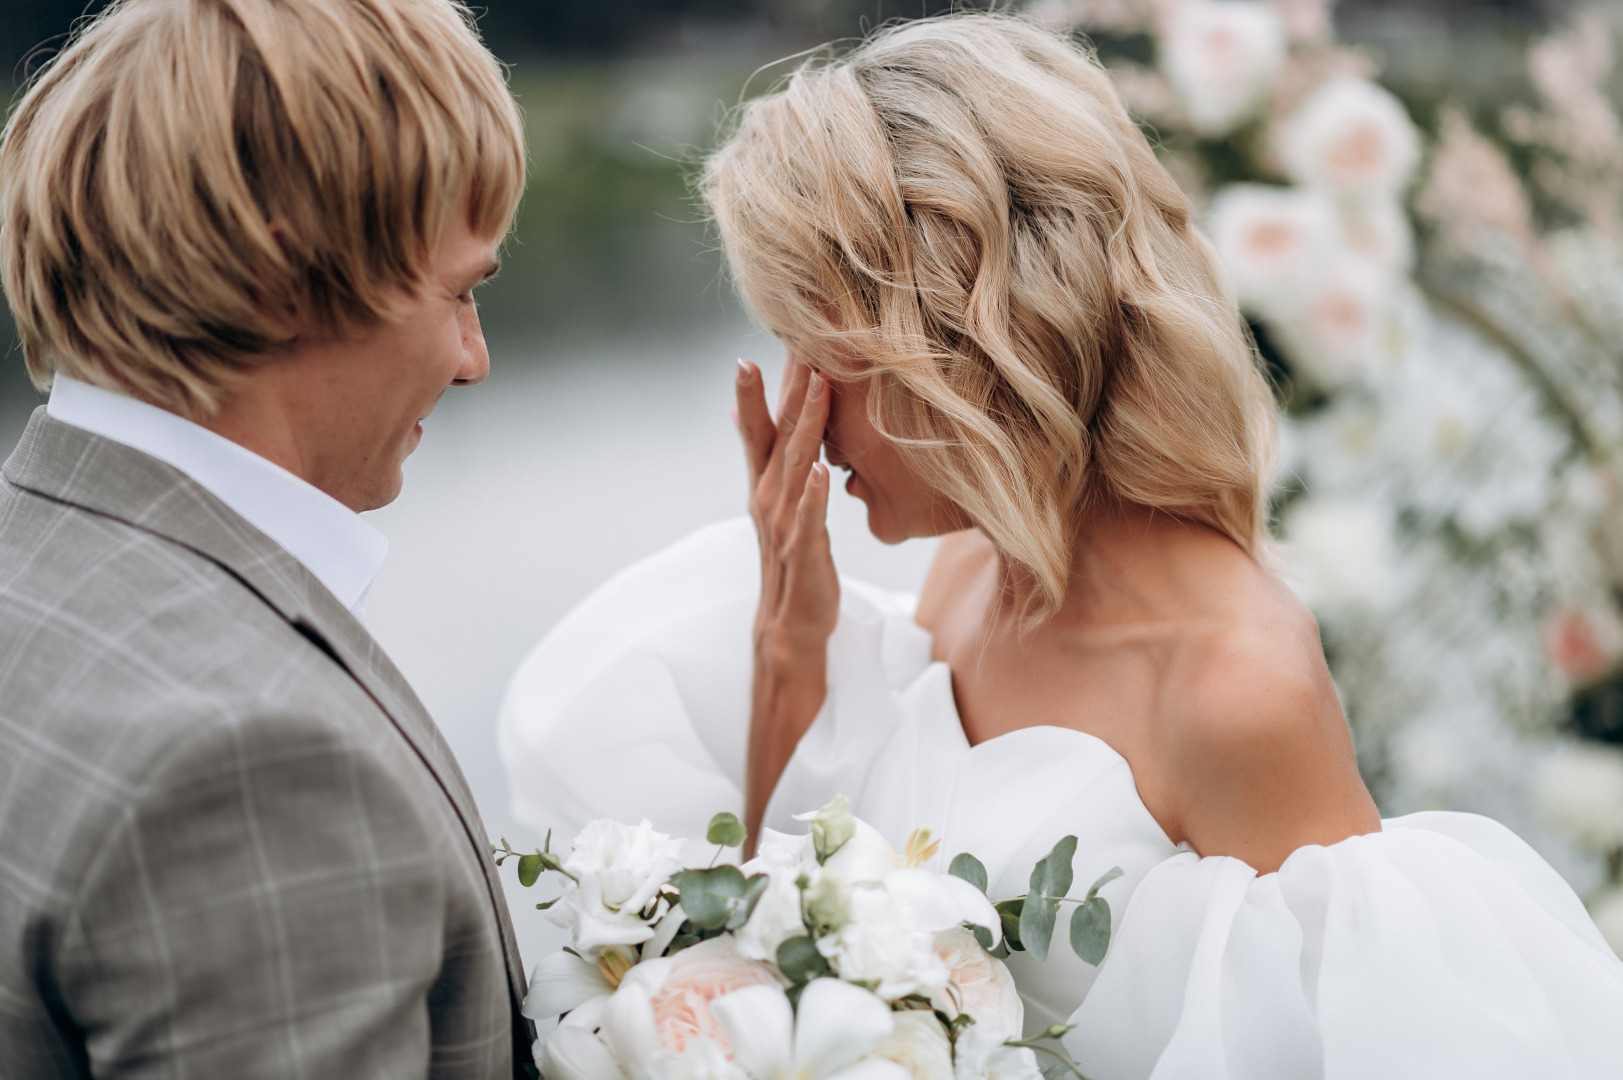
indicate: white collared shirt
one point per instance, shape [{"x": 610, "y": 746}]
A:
[{"x": 341, "y": 550}]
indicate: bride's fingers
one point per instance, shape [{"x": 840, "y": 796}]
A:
[
  {"x": 755, "y": 425},
  {"x": 802, "y": 446},
  {"x": 811, "y": 586}
]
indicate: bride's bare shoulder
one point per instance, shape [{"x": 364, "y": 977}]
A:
[{"x": 1258, "y": 748}]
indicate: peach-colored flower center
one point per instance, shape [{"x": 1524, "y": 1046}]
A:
[
  {"x": 682, "y": 1006},
  {"x": 1360, "y": 153}
]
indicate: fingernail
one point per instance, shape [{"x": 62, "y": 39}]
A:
[
  {"x": 743, "y": 370},
  {"x": 815, "y": 388}
]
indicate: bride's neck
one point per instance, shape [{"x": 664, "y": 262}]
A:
[{"x": 1128, "y": 563}]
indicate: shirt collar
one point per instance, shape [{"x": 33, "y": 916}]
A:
[{"x": 344, "y": 552}]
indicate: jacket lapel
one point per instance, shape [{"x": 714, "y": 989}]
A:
[{"x": 70, "y": 465}]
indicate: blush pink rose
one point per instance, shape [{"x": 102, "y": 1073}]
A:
[
  {"x": 1583, "y": 644},
  {"x": 699, "y": 975}
]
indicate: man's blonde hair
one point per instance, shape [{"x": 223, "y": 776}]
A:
[
  {"x": 961, "y": 211},
  {"x": 191, "y": 179}
]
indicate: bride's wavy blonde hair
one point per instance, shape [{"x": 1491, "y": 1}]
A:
[{"x": 961, "y": 211}]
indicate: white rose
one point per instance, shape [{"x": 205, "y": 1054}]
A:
[
  {"x": 978, "y": 984},
  {"x": 1334, "y": 335},
  {"x": 918, "y": 1043},
  {"x": 619, "y": 870},
  {"x": 1352, "y": 138},
  {"x": 1339, "y": 553},
  {"x": 776, "y": 918},
  {"x": 981, "y": 1055},
  {"x": 1222, "y": 57},
  {"x": 883, "y": 945},
  {"x": 1273, "y": 242},
  {"x": 1579, "y": 791}
]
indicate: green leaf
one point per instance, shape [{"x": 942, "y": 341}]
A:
[
  {"x": 1056, "y": 1070},
  {"x": 1090, "y": 929},
  {"x": 966, "y": 866},
  {"x": 543, "y": 905},
  {"x": 1037, "y": 925},
  {"x": 725, "y": 830},
  {"x": 800, "y": 961},
  {"x": 1052, "y": 876},
  {"x": 1104, "y": 879},
  {"x": 1008, "y": 912},
  {"x": 1050, "y": 881},
  {"x": 529, "y": 869},
  {"x": 982, "y": 935},
  {"x": 719, "y": 899},
  {"x": 744, "y": 906}
]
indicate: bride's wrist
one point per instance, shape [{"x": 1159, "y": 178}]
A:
[{"x": 791, "y": 659}]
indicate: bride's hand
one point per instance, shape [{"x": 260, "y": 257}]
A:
[{"x": 800, "y": 592}]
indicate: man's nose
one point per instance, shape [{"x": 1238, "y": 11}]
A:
[{"x": 475, "y": 364}]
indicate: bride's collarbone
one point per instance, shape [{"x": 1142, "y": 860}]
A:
[{"x": 1202, "y": 714}]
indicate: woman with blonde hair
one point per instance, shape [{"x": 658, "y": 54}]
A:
[{"x": 1003, "y": 324}]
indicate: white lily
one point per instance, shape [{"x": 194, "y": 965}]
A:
[
  {"x": 574, "y": 1052},
  {"x": 942, "y": 901},
  {"x": 837, "y": 1025},
  {"x": 562, "y": 982}
]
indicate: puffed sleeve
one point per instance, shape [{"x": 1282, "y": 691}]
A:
[
  {"x": 637, "y": 704},
  {"x": 1441, "y": 946}
]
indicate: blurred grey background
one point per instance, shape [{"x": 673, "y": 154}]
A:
[{"x": 603, "y": 432}]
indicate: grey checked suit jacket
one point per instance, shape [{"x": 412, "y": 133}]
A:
[{"x": 232, "y": 843}]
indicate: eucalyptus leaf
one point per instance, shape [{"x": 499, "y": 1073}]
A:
[
  {"x": 1090, "y": 929},
  {"x": 982, "y": 935},
  {"x": 543, "y": 905},
  {"x": 966, "y": 866},
  {"x": 708, "y": 895},
  {"x": 1104, "y": 879},
  {"x": 800, "y": 961},
  {"x": 725, "y": 830},
  {"x": 719, "y": 899},
  {"x": 1037, "y": 925},
  {"x": 529, "y": 869},
  {"x": 1008, "y": 912},
  {"x": 1051, "y": 877},
  {"x": 744, "y": 906}
]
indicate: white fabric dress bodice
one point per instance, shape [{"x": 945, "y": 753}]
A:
[{"x": 1442, "y": 946}]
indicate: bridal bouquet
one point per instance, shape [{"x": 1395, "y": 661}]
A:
[{"x": 827, "y": 955}]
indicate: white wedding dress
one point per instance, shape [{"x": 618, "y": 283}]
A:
[{"x": 1441, "y": 947}]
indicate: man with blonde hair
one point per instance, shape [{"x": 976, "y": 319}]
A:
[{"x": 240, "y": 240}]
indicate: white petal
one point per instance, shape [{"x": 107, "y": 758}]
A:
[
  {"x": 664, "y": 933},
  {"x": 864, "y": 857},
  {"x": 629, "y": 1030},
  {"x": 758, "y": 1021},
  {"x": 562, "y": 982},
  {"x": 836, "y": 1024},
  {"x": 871, "y": 1069},
  {"x": 573, "y": 1053},
  {"x": 942, "y": 901}
]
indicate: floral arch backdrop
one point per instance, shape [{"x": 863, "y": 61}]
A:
[{"x": 1440, "y": 293}]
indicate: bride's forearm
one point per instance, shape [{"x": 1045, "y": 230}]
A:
[{"x": 787, "y": 692}]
